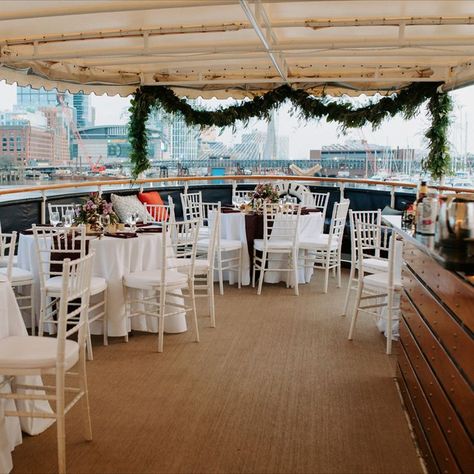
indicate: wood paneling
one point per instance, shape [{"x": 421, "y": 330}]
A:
[
  {"x": 448, "y": 419},
  {"x": 423, "y": 444},
  {"x": 436, "y": 360},
  {"x": 433, "y": 432},
  {"x": 453, "y": 291},
  {"x": 454, "y": 384},
  {"x": 452, "y": 335}
]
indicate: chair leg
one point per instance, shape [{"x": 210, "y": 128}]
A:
[
  {"x": 33, "y": 316},
  {"x": 161, "y": 320},
  {"x": 339, "y": 273},
  {"x": 239, "y": 272},
  {"x": 389, "y": 321},
  {"x": 128, "y": 310},
  {"x": 43, "y": 303},
  {"x": 295, "y": 271},
  {"x": 349, "y": 288},
  {"x": 210, "y": 292},
  {"x": 196, "y": 325},
  {"x": 326, "y": 273},
  {"x": 219, "y": 270},
  {"x": 85, "y": 399},
  {"x": 90, "y": 355},
  {"x": 60, "y": 424},
  {"x": 105, "y": 321},
  {"x": 360, "y": 287},
  {"x": 262, "y": 272},
  {"x": 253, "y": 267}
]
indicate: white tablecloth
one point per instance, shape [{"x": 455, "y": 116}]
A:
[
  {"x": 11, "y": 324},
  {"x": 233, "y": 227},
  {"x": 114, "y": 258}
]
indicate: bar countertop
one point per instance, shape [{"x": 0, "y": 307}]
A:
[{"x": 456, "y": 262}]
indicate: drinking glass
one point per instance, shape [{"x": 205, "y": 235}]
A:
[
  {"x": 54, "y": 218},
  {"x": 132, "y": 221},
  {"x": 67, "y": 219},
  {"x": 104, "y": 220}
]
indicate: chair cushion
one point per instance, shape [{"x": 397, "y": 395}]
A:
[
  {"x": 153, "y": 197},
  {"x": 380, "y": 280},
  {"x": 273, "y": 244},
  {"x": 201, "y": 265},
  {"x": 320, "y": 242},
  {"x": 124, "y": 206},
  {"x": 34, "y": 352},
  {"x": 152, "y": 278},
  {"x": 375, "y": 265},
  {"x": 53, "y": 285},
  {"x": 226, "y": 244},
  {"x": 18, "y": 274},
  {"x": 4, "y": 260}
]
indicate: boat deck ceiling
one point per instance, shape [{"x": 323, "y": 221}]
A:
[{"x": 236, "y": 48}]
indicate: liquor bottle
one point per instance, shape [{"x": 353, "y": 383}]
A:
[{"x": 421, "y": 194}]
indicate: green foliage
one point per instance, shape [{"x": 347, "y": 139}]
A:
[
  {"x": 406, "y": 102},
  {"x": 438, "y": 161}
]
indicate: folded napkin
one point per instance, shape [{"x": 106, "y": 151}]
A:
[
  {"x": 150, "y": 230},
  {"x": 229, "y": 210},
  {"x": 142, "y": 224},
  {"x": 121, "y": 235}
]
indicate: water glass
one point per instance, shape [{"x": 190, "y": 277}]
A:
[
  {"x": 104, "y": 220},
  {"x": 54, "y": 218},
  {"x": 132, "y": 221},
  {"x": 67, "y": 219}
]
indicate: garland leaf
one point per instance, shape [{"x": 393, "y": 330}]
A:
[{"x": 407, "y": 102}]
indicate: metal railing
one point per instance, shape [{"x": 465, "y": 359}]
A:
[{"x": 342, "y": 183}]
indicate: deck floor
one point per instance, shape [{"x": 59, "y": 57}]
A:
[{"x": 275, "y": 388}]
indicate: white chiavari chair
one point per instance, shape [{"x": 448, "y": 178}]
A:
[
  {"x": 19, "y": 278},
  {"x": 162, "y": 290},
  {"x": 228, "y": 252},
  {"x": 280, "y": 239},
  {"x": 53, "y": 245},
  {"x": 37, "y": 355},
  {"x": 380, "y": 286},
  {"x": 61, "y": 209},
  {"x": 324, "y": 251},
  {"x": 158, "y": 213},
  {"x": 372, "y": 261},
  {"x": 317, "y": 201}
]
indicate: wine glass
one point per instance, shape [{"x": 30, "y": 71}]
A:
[
  {"x": 104, "y": 220},
  {"x": 67, "y": 220},
  {"x": 54, "y": 218},
  {"x": 132, "y": 221}
]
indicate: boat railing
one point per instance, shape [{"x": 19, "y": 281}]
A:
[{"x": 50, "y": 190}]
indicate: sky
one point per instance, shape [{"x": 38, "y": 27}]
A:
[{"x": 303, "y": 135}]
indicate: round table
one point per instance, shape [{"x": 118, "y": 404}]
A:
[
  {"x": 114, "y": 258},
  {"x": 248, "y": 227}
]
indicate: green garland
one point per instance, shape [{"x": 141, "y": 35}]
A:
[
  {"x": 406, "y": 102},
  {"x": 438, "y": 161}
]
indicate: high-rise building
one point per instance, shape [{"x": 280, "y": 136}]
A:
[
  {"x": 29, "y": 98},
  {"x": 81, "y": 102},
  {"x": 184, "y": 139},
  {"x": 25, "y": 138}
]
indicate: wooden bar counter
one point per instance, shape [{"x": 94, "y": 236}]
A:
[{"x": 435, "y": 368}]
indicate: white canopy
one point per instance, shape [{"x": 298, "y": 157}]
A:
[{"x": 236, "y": 48}]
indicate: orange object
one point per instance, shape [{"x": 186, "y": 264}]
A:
[{"x": 153, "y": 197}]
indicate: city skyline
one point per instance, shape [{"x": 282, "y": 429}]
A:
[{"x": 304, "y": 136}]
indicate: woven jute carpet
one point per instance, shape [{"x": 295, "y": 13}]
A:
[{"x": 275, "y": 388}]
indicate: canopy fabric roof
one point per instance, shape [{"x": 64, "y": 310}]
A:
[{"x": 236, "y": 48}]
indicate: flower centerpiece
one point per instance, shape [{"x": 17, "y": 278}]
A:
[
  {"x": 264, "y": 193},
  {"x": 94, "y": 212}
]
